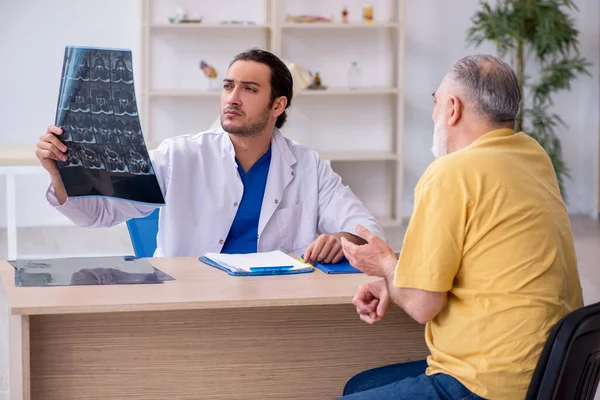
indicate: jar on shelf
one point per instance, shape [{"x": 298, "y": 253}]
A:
[
  {"x": 345, "y": 15},
  {"x": 354, "y": 76},
  {"x": 368, "y": 17}
]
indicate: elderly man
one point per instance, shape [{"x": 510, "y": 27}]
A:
[{"x": 488, "y": 261}]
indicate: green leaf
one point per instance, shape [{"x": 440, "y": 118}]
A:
[{"x": 557, "y": 75}]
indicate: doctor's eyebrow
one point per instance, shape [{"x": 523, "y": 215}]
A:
[
  {"x": 243, "y": 82},
  {"x": 251, "y": 83}
]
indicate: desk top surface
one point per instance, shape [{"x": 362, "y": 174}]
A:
[
  {"x": 18, "y": 154},
  {"x": 196, "y": 286}
]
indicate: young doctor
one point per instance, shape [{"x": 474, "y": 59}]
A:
[{"x": 240, "y": 189}]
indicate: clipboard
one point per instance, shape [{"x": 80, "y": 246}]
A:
[
  {"x": 341, "y": 267},
  {"x": 242, "y": 264}
]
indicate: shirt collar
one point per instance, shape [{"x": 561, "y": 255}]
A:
[
  {"x": 504, "y": 132},
  {"x": 263, "y": 161}
]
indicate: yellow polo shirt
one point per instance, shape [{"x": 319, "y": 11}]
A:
[{"x": 490, "y": 228}]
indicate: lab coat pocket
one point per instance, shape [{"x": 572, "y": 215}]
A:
[{"x": 296, "y": 229}]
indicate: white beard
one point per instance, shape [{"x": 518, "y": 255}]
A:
[{"x": 440, "y": 140}]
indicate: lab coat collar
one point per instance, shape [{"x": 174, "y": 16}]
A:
[
  {"x": 283, "y": 148},
  {"x": 281, "y": 173}
]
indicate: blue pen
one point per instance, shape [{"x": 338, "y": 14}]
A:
[{"x": 267, "y": 270}]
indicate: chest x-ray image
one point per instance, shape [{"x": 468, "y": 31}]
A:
[
  {"x": 101, "y": 99},
  {"x": 80, "y": 99},
  {"x": 81, "y": 128},
  {"x": 115, "y": 158},
  {"x": 97, "y": 110},
  {"x": 124, "y": 100},
  {"x": 121, "y": 68},
  {"x": 73, "y": 158},
  {"x": 100, "y": 66},
  {"x": 129, "y": 130},
  {"x": 91, "y": 156},
  {"x": 73, "y": 271},
  {"x": 103, "y": 127},
  {"x": 138, "y": 161}
]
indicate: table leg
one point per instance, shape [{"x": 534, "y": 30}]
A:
[
  {"x": 19, "y": 357},
  {"x": 11, "y": 215},
  {"x": 14, "y": 354}
]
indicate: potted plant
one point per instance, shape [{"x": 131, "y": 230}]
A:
[{"x": 535, "y": 34}]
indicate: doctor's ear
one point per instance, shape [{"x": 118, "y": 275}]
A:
[{"x": 279, "y": 105}]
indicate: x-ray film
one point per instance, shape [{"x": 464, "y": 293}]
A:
[
  {"x": 97, "y": 111},
  {"x": 87, "y": 271}
]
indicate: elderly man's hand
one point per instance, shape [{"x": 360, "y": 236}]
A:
[
  {"x": 374, "y": 258},
  {"x": 372, "y": 301}
]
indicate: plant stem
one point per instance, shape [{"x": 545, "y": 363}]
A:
[{"x": 520, "y": 71}]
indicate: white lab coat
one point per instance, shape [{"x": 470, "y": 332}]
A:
[{"x": 199, "y": 179}]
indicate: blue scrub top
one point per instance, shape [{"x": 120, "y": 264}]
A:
[{"x": 243, "y": 234}]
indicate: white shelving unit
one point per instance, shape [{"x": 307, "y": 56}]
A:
[
  {"x": 192, "y": 26},
  {"x": 376, "y": 25},
  {"x": 173, "y": 83}
]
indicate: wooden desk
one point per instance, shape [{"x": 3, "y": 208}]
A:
[{"x": 206, "y": 335}]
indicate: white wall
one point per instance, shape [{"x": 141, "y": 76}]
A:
[
  {"x": 33, "y": 34},
  {"x": 435, "y": 33}
]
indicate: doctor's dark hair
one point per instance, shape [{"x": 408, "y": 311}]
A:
[{"x": 282, "y": 83}]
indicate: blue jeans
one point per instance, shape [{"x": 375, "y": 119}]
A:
[{"x": 405, "y": 382}]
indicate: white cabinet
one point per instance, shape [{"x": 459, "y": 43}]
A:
[{"x": 358, "y": 130}]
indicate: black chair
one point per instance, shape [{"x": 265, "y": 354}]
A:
[{"x": 569, "y": 366}]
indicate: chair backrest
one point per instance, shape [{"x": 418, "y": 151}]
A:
[
  {"x": 142, "y": 232},
  {"x": 569, "y": 366}
]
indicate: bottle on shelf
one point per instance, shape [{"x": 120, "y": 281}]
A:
[
  {"x": 354, "y": 76},
  {"x": 345, "y": 15},
  {"x": 368, "y": 17}
]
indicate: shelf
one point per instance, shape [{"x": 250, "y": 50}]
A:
[
  {"x": 326, "y": 25},
  {"x": 192, "y": 26},
  {"x": 162, "y": 93},
  {"x": 348, "y": 92},
  {"x": 22, "y": 154},
  {"x": 184, "y": 93},
  {"x": 365, "y": 156},
  {"x": 337, "y": 157},
  {"x": 305, "y": 93},
  {"x": 382, "y": 156}
]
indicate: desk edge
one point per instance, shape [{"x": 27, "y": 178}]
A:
[{"x": 50, "y": 310}]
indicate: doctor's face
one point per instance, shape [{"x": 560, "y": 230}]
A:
[{"x": 246, "y": 106}]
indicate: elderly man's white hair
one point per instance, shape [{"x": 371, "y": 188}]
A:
[{"x": 490, "y": 84}]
